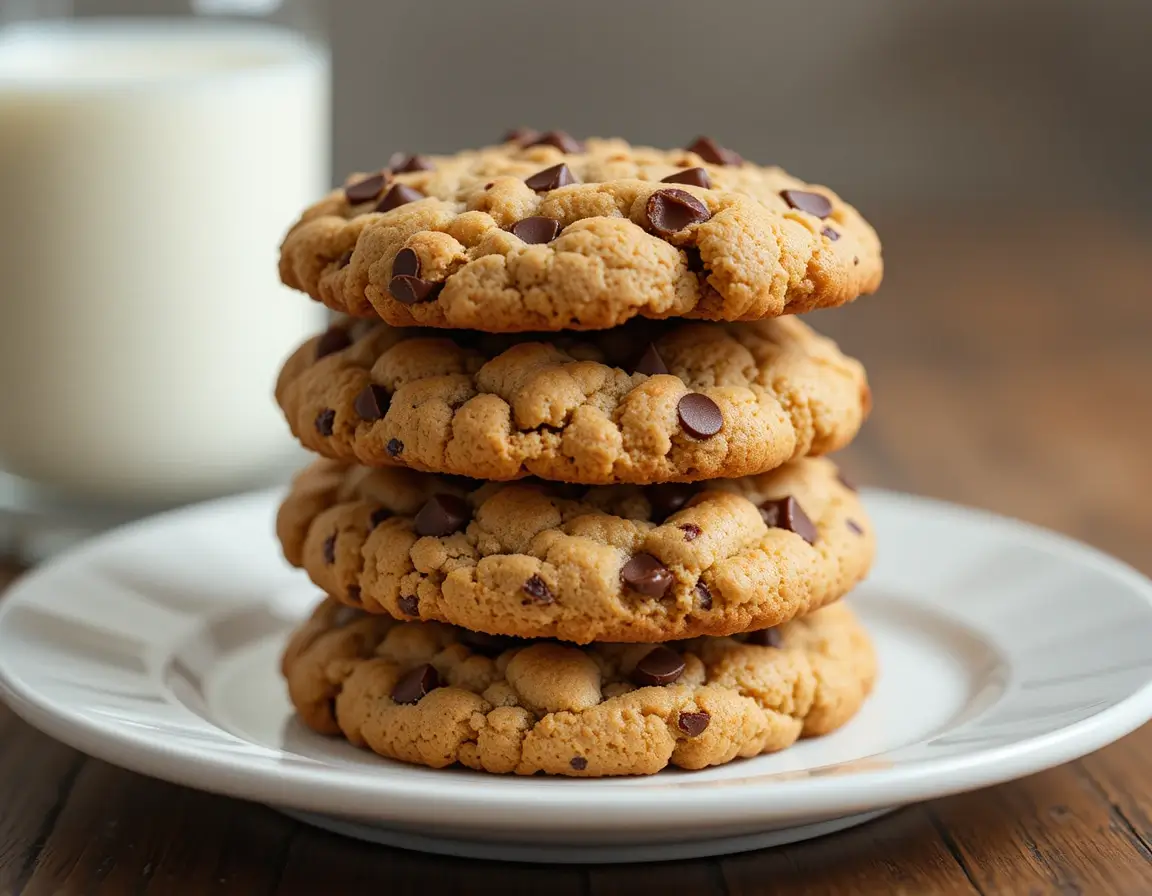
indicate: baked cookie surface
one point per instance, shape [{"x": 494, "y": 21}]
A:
[
  {"x": 546, "y": 233},
  {"x": 546, "y": 560},
  {"x": 651, "y": 401},
  {"x": 437, "y": 695}
]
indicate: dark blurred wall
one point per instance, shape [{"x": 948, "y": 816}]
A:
[{"x": 896, "y": 104}]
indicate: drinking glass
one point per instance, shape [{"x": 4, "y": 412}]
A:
[{"x": 153, "y": 154}]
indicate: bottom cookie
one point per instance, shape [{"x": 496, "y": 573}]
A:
[{"x": 435, "y": 695}]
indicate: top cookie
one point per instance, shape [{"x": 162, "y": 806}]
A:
[{"x": 545, "y": 233}]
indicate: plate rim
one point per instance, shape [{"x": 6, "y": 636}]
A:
[{"x": 333, "y": 789}]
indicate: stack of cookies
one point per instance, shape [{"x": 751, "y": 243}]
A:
[{"x": 570, "y": 512}]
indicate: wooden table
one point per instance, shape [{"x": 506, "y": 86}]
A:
[{"x": 1012, "y": 369}]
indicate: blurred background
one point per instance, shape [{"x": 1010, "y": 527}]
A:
[{"x": 999, "y": 146}]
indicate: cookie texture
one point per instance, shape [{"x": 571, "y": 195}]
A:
[
  {"x": 651, "y": 401},
  {"x": 547, "y": 560},
  {"x": 436, "y": 695},
  {"x": 560, "y": 235}
]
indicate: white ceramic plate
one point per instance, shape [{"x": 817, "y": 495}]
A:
[{"x": 1004, "y": 650}]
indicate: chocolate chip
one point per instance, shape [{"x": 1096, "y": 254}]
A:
[
  {"x": 847, "y": 481},
  {"x": 329, "y": 549},
  {"x": 537, "y": 229},
  {"x": 660, "y": 665},
  {"x": 378, "y": 516},
  {"x": 325, "y": 421},
  {"x": 521, "y": 136},
  {"x": 551, "y": 179},
  {"x": 578, "y": 762},
  {"x": 487, "y": 645},
  {"x": 401, "y": 163},
  {"x": 695, "y": 262},
  {"x": 670, "y": 211},
  {"x": 372, "y": 402},
  {"x": 830, "y": 233},
  {"x": 704, "y": 595},
  {"x": 855, "y": 527},
  {"x": 335, "y": 339},
  {"x": 786, "y": 513},
  {"x": 813, "y": 203},
  {"x": 711, "y": 151},
  {"x": 537, "y": 589},
  {"x": 406, "y": 264},
  {"x": 400, "y": 194},
  {"x": 442, "y": 515},
  {"x": 665, "y": 499},
  {"x": 354, "y": 593},
  {"x": 699, "y": 415},
  {"x": 691, "y": 531},
  {"x": 693, "y": 723},
  {"x": 562, "y": 140},
  {"x": 416, "y": 684},
  {"x": 363, "y": 190},
  {"x": 765, "y": 637},
  {"x": 695, "y": 177},
  {"x": 646, "y": 574},
  {"x": 412, "y": 290},
  {"x": 650, "y": 362},
  {"x": 409, "y": 605},
  {"x": 394, "y": 447}
]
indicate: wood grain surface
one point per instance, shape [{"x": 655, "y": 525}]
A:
[{"x": 1012, "y": 366}]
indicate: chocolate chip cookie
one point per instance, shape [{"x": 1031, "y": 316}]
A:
[
  {"x": 611, "y": 563},
  {"x": 546, "y": 233},
  {"x": 651, "y": 401},
  {"x": 437, "y": 695}
]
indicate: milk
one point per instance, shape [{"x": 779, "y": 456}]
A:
[{"x": 147, "y": 174}]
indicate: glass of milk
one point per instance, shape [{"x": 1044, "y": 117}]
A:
[{"x": 148, "y": 169}]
